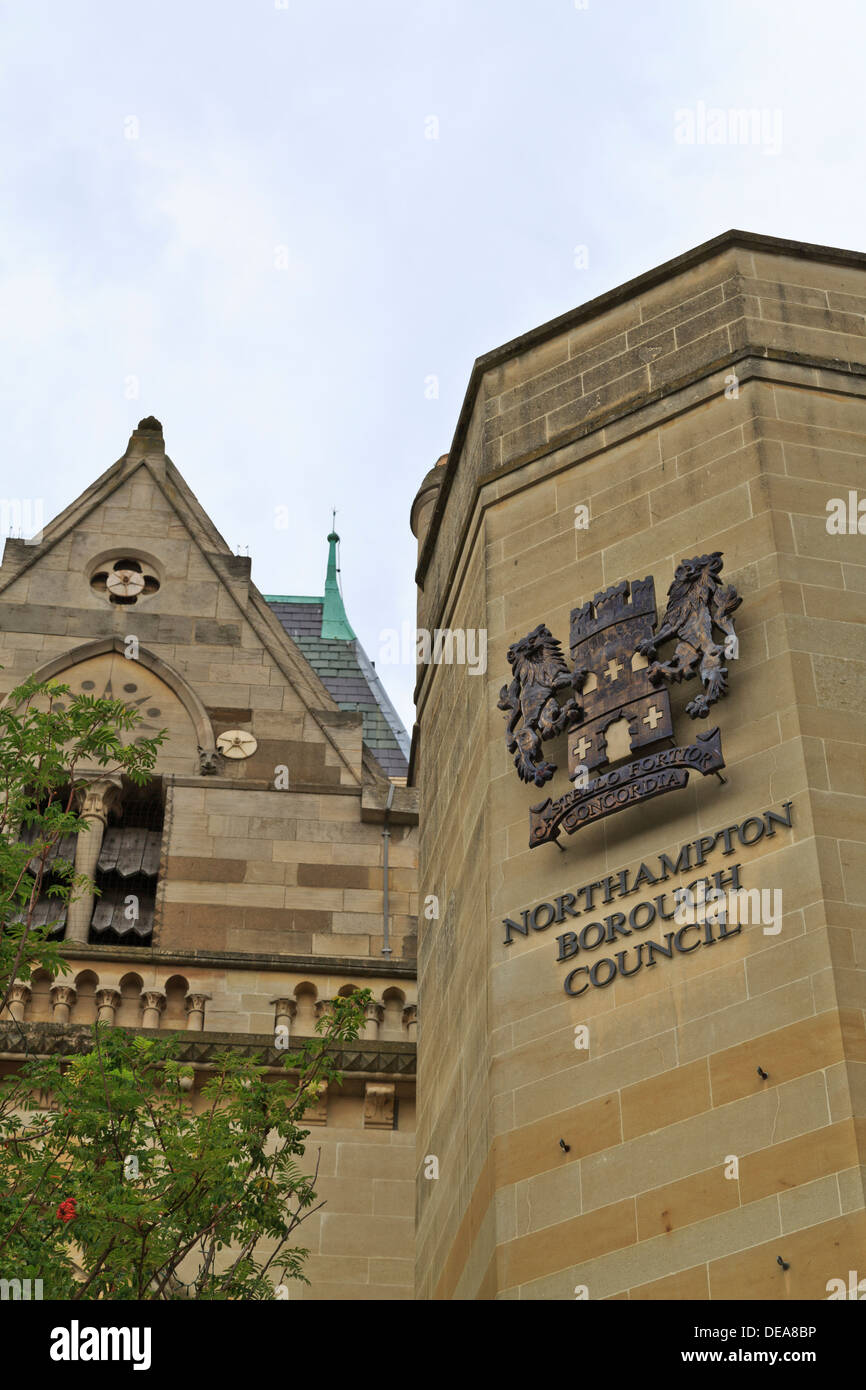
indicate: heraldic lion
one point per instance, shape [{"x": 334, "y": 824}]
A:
[
  {"x": 535, "y": 696},
  {"x": 696, "y": 602}
]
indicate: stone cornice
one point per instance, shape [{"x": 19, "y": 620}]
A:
[
  {"x": 360, "y": 1058},
  {"x": 250, "y": 960}
]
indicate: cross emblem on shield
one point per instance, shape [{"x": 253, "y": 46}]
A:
[
  {"x": 613, "y": 704},
  {"x": 622, "y": 710}
]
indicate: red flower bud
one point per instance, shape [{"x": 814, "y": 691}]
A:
[{"x": 66, "y": 1211}]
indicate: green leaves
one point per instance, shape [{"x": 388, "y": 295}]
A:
[
  {"x": 51, "y": 740},
  {"x": 169, "y": 1200},
  {"x": 126, "y": 1183}
]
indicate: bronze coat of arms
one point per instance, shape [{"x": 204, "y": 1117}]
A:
[{"x": 613, "y": 699}]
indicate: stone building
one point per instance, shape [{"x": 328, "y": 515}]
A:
[
  {"x": 257, "y": 852},
  {"x": 616, "y": 1101},
  {"x": 626, "y": 1111}
]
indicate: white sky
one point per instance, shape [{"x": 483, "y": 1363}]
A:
[{"x": 304, "y": 127}]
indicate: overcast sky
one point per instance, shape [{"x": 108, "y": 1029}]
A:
[{"x": 278, "y": 223}]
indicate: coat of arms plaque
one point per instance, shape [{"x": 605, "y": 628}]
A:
[{"x": 613, "y": 700}]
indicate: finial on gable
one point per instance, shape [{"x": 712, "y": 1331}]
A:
[
  {"x": 334, "y": 620},
  {"x": 146, "y": 440}
]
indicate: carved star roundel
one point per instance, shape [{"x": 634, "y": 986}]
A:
[
  {"x": 236, "y": 743},
  {"x": 125, "y": 583}
]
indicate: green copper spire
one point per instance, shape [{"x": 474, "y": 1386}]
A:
[{"x": 334, "y": 620}]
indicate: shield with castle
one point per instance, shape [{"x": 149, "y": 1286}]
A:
[{"x": 613, "y": 701}]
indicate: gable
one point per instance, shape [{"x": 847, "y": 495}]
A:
[{"x": 206, "y": 621}]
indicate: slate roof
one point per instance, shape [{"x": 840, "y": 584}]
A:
[{"x": 349, "y": 676}]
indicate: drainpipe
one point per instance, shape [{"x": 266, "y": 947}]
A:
[{"x": 386, "y": 836}]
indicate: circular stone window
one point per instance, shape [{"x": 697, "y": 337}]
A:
[{"x": 124, "y": 581}]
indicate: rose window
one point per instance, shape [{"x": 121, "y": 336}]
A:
[{"x": 124, "y": 581}]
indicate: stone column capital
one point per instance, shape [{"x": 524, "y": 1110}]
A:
[
  {"x": 284, "y": 1006},
  {"x": 153, "y": 1005},
  {"x": 195, "y": 1006},
  {"x": 98, "y": 795},
  {"x": 373, "y": 1015},
  {"x": 285, "y": 1012},
  {"x": 19, "y": 998},
  {"x": 107, "y": 1001},
  {"x": 62, "y": 999}
]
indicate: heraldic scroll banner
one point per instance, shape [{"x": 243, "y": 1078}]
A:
[{"x": 613, "y": 700}]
